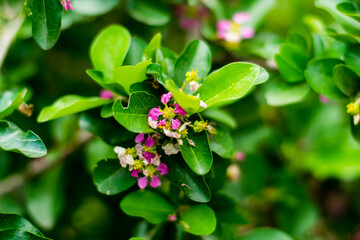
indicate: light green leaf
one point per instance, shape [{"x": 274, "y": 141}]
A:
[
  {"x": 154, "y": 45},
  {"x": 149, "y": 205},
  {"x": 265, "y": 234},
  {"x": 46, "y": 21},
  {"x": 221, "y": 142},
  {"x": 110, "y": 178},
  {"x": 348, "y": 9},
  {"x": 135, "y": 116},
  {"x": 94, "y": 7},
  {"x": 154, "y": 13},
  {"x": 109, "y": 49},
  {"x": 220, "y": 116},
  {"x": 98, "y": 77},
  {"x": 68, "y": 105},
  {"x": 10, "y": 101},
  {"x": 16, "y": 222},
  {"x": 12, "y": 138},
  {"x": 198, "y": 220},
  {"x": 282, "y": 93},
  {"x": 136, "y": 52}
]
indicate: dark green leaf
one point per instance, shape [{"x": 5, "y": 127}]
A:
[
  {"x": 136, "y": 52},
  {"x": 154, "y": 13},
  {"x": 346, "y": 80},
  {"x": 198, "y": 220},
  {"x": 221, "y": 142},
  {"x": 167, "y": 59},
  {"x": 348, "y": 9},
  {"x": 352, "y": 58},
  {"x": 16, "y": 222},
  {"x": 107, "y": 110},
  {"x": 12, "y": 234}
]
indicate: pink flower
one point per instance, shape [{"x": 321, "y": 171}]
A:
[
  {"x": 135, "y": 173},
  {"x": 161, "y": 123},
  {"x": 154, "y": 113},
  {"x": 165, "y": 98},
  {"x": 140, "y": 138},
  {"x": 172, "y": 218},
  {"x": 148, "y": 156},
  {"x": 142, "y": 182},
  {"x": 239, "y": 156},
  {"x": 179, "y": 110},
  {"x": 323, "y": 99},
  {"x": 241, "y": 17},
  {"x": 247, "y": 32},
  {"x": 106, "y": 94},
  {"x": 163, "y": 169},
  {"x": 149, "y": 141},
  {"x": 155, "y": 181},
  {"x": 67, "y": 5},
  {"x": 175, "y": 123},
  {"x": 223, "y": 25}
]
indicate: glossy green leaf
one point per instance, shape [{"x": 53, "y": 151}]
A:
[
  {"x": 136, "y": 52},
  {"x": 68, "y": 105},
  {"x": 221, "y": 116},
  {"x": 149, "y": 205},
  {"x": 107, "y": 110},
  {"x": 229, "y": 83},
  {"x": 199, "y": 158},
  {"x": 135, "y": 116},
  {"x": 167, "y": 59},
  {"x": 193, "y": 185},
  {"x": 265, "y": 234},
  {"x": 10, "y": 101},
  {"x": 128, "y": 75},
  {"x": 262, "y": 77},
  {"x": 319, "y": 76},
  {"x": 16, "y": 222},
  {"x": 99, "y": 78},
  {"x": 348, "y": 9},
  {"x": 196, "y": 56},
  {"x": 110, "y": 178},
  {"x": 221, "y": 142},
  {"x": 198, "y": 220},
  {"x": 46, "y": 21},
  {"x": 352, "y": 58},
  {"x": 12, "y": 234},
  {"x": 154, "y": 13},
  {"x": 282, "y": 93},
  {"x": 152, "y": 47},
  {"x": 346, "y": 80},
  {"x": 108, "y": 129},
  {"x": 109, "y": 49},
  {"x": 13, "y": 139},
  {"x": 155, "y": 70}
]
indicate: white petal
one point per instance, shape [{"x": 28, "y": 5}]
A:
[
  {"x": 171, "y": 134},
  {"x": 191, "y": 142},
  {"x": 170, "y": 148},
  {"x": 203, "y": 104},
  {"x": 129, "y": 159},
  {"x": 182, "y": 128},
  {"x": 146, "y": 172},
  {"x": 156, "y": 160},
  {"x": 152, "y": 123},
  {"x": 120, "y": 151},
  {"x": 356, "y": 119}
]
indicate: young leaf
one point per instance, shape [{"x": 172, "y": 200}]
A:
[
  {"x": 282, "y": 93},
  {"x": 99, "y": 78},
  {"x": 197, "y": 56},
  {"x": 193, "y": 185},
  {"x": 135, "y": 116},
  {"x": 109, "y": 49},
  {"x": 266, "y": 234},
  {"x": 46, "y": 21},
  {"x": 229, "y": 83},
  {"x": 154, "y": 13},
  {"x": 154, "y": 45},
  {"x": 346, "y": 80},
  {"x": 68, "y": 105},
  {"x": 15, "y": 222},
  {"x": 12, "y": 138},
  {"x": 221, "y": 142},
  {"x": 10, "y": 101},
  {"x": 149, "y": 205},
  {"x": 319, "y": 76},
  {"x": 198, "y": 220},
  {"x": 110, "y": 178},
  {"x": 198, "y": 157}
]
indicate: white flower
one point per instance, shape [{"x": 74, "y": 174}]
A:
[
  {"x": 203, "y": 104},
  {"x": 209, "y": 128},
  {"x": 194, "y": 85},
  {"x": 152, "y": 123},
  {"x": 180, "y": 141},
  {"x": 126, "y": 160},
  {"x": 191, "y": 142},
  {"x": 171, "y": 134},
  {"x": 120, "y": 151},
  {"x": 356, "y": 119},
  {"x": 146, "y": 172},
  {"x": 170, "y": 148},
  {"x": 183, "y": 127},
  {"x": 156, "y": 160}
]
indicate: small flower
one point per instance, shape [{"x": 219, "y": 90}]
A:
[
  {"x": 179, "y": 110},
  {"x": 127, "y": 160},
  {"x": 148, "y": 156},
  {"x": 156, "y": 160},
  {"x": 172, "y": 218},
  {"x": 106, "y": 94},
  {"x": 247, "y": 32},
  {"x": 200, "y": 126},
  {"x": 155, "y": 182},
  {"x": 171, "y": 134},
  {"x": 353, "y": 108},
  {"x": 233, "y": 172},
  {"x": 142, "y": 182},
  {"x": 194, "y": 86},
  {"x": 140, "y": 138},
  {"x": 241, "y": 17},
  {"x": 171, "y": 149},
  {"x": 153, "y": 124},
  {"x": 191, "y": 142},
  {"x": 175, "y": 123},
  {"x": 203, "y": 104},
  {"x": 154, "y": 113},
  {"x": 192, "y": 76},
  {"x": 240, "y": 156},
  {"x": 183, "y": 127},
  {"x": 149, "y": 142},
  {"x": 163, "y": 169},
  {"x": 120, "y": 151},
  {"x": 356, "y": 119},
  {"x": 67, "y": 5},
  {"x": 165, "y": 98},
  {"x": 135, "y": 173},
  {"x": 162, "y": 123}
]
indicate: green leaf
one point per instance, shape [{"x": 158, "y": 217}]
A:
[
  {"x": 16, "y": 222},
  {"x": 154, "y": 13},
  {"x": 221, "y": 142},
  {"x": 10, "y": 101},
  {"x": 167, "y": 59},
  {"x": 355, "y": 130},
  {"x": 227, "y": 211},
  {"x": 68, "y": 105},
  {"x": 137, "y": 238},
  {"x": 94, "y": 7},
  {"x": 110, "y": 178},
  {"x": 282, "y": 93},
  {"x": 109, "y": 49},
  {"x": 262, "y": 77},
  {"x": 107, "y": 110},
  {"x": 155, "y": 70},
  {"x": 99, "y": 78},
  {"x": 136, "y": 51},
  {"x": 229, "y": 83},
  {"x": 12, "y": 138},
  {"x": 189, "y": 103},
  {"x": 196, "y": 56},
  {"x": 199, "y": 158},
  {"x": 319, "y": 76},
  {"x": 12, "y": 234},
  {"x": 154, "y": 45},
  {"x": 265, "y": 234},
  {"x": 221, "y": 116},
  {"x": 135, "y": 116},
  {"x": 193, "y": 185},
  {"x": 149, "y": 205},
  {"x": 346, "y": 80},
  {"x": 46, "y": 21},
  {"x": 352, "y": 58},
  {"x": 108, "y": 129},
  {"x": 198, "y": 220},
  {"x": 348, "y": 9},
  {"x": 128, "y": 75}
]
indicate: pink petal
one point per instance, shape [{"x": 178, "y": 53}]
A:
[
  {"x": 70, "y": 6},
  {"x": 149, "y": 142},
  {"x": 140, "y": 138},
  {"x": 135, "y": 173},
  {"x": 155, "y": 181},
  {"x": 241, "y": 17},
  {"x": 172, "y": 218},
  {"x": 142, "y": 182},
  {"x": 163, "y": 169},
  {"x": 240, "y": 156},
  {"x": 223, "y": 25},
  {"x": 165, "y": 98},
  {"x": 247, "y": 32},
  {"x": 179, "y": 110},
  {"x": 148, "y": 156},
  {"x": 175, "y": 123},
  {"x": 161, "y": 123},
  {"x": 154, "y": 113},
  {"x": 65, "y": 5}
]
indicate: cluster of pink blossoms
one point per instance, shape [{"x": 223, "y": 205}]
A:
[
  {"x": 67, "y": 5},
  {"x": 143, "y": 159},
  {"x": 233, "y": 31}
]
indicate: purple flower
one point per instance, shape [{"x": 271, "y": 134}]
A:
[
  {"x": 179, "y": 110},
  {"x": 142, "y": 182},
  {"x": 163, "y": 169},
  {"x": 241, "y": 17},
  {"x": 165, "y": 98},
  {"x": 106, "y": 94},
  {"x": 154, "y": 113},
  {"x": 155, "y": 181},
  {"x": 149, "y": 142},
  {"x": 135, "y": 173},
  {"x": 148, "y": 156},
  {"x": 175, "y": 123},
  {"x": 161, "y": 123},
  {"x": 172, "y": 218},
  {"x": 67, "y": 5},
  {"x": 140, "y": 138}
]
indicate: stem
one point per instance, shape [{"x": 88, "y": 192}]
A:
[
  {"x": 201, "y": 118},
  {"x": 184, "y": 85}
]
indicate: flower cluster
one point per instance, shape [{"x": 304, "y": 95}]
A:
[
  {"x": 67, "y": 5},
  {"x": 143, "y": 159},
  {"x": 233, "y": 31},
  {"x": 353, "y": 109}
]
